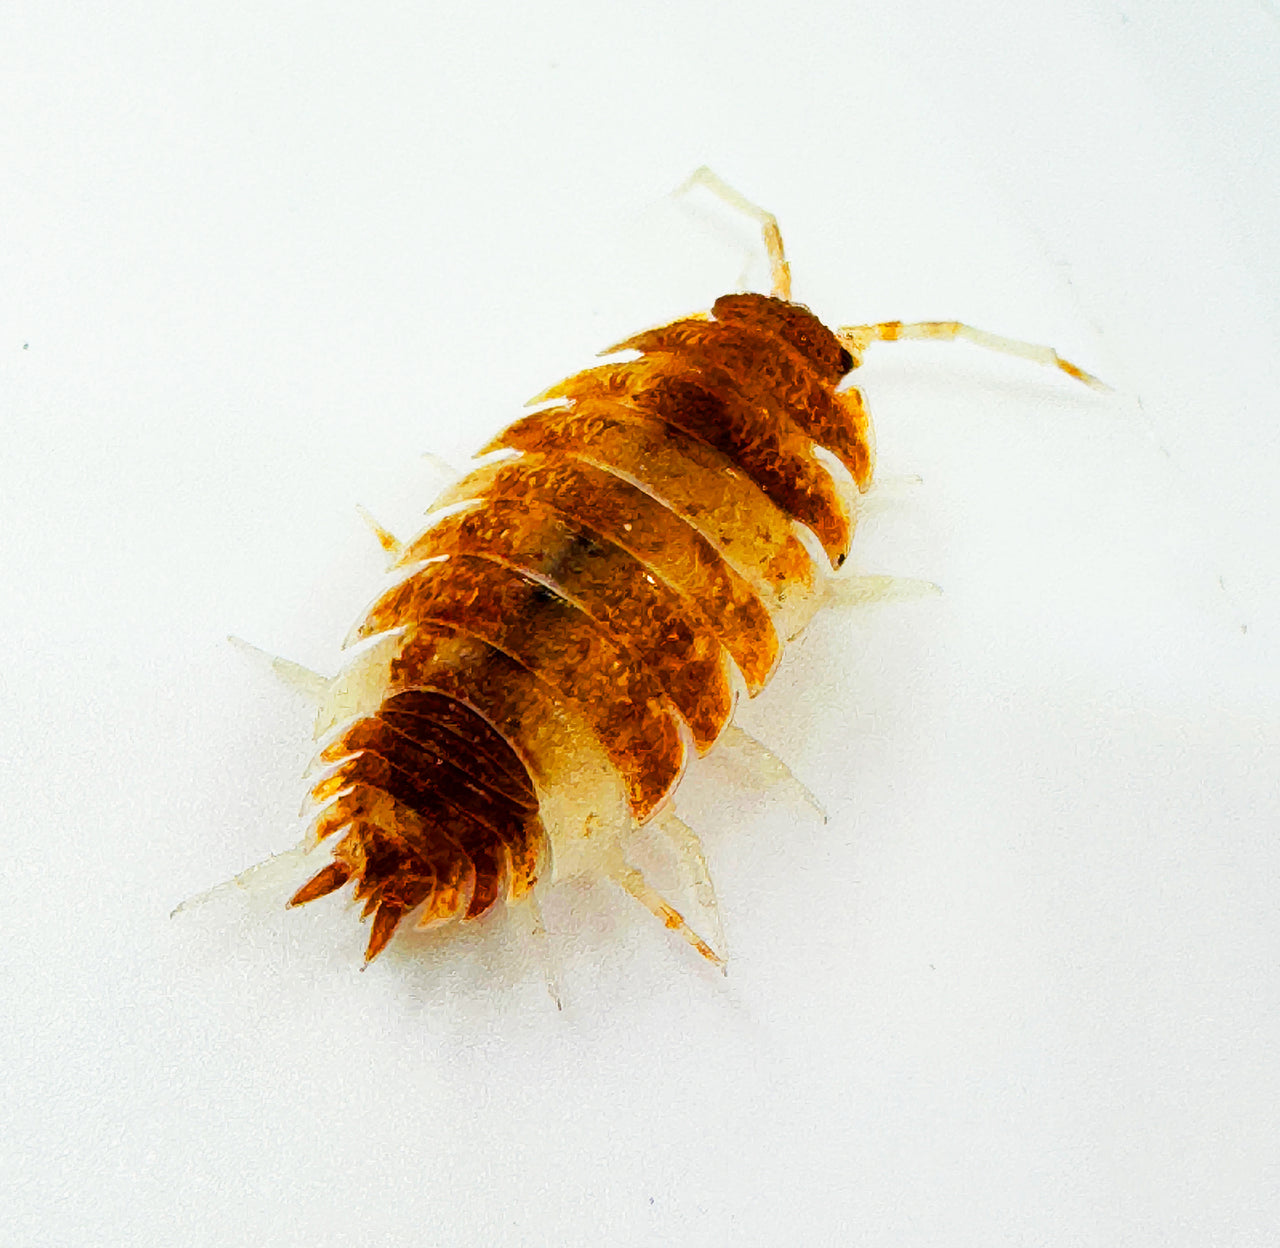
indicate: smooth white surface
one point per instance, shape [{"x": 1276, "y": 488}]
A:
[{"x": 1020, "y": 989}]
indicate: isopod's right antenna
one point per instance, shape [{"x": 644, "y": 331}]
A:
[
  {"x": 779, "y": 269},
  {"x": 857, "y": 338}
]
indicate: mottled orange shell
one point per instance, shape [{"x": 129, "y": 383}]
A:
[{"x": 577, "y": 613}]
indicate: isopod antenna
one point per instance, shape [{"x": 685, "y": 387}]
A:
[
  {"x": 856, "y": 338},
  {"x": 779, "y": 269}
]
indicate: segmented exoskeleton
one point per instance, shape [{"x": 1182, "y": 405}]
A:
[{"x": 580, "y": 612}]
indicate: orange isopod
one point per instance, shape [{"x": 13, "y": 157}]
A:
[{"x": 582, "y": 608}]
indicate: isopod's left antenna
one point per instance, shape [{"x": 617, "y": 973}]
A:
[{"x": 780, "y": 270}]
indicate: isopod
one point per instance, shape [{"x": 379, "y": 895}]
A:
[{"x": 582, "y": 609}]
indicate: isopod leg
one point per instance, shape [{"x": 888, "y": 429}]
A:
[
  {"x": 778, "y": 266},
  {"x": 389, "y": 542},
  {"x": 538, "y": 930},
  {"x": 863, "y": 590},
  {"x": 442, "y": 468},
  {"x": 693, "y": 862},
  {"x": 311, "y": 684},
  {"x": 632, "y": 881},
  {"x": 857, "y": 338},
  {"x": 760, "y": 766}
]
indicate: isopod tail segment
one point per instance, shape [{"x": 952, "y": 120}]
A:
[{"x": 389, "y": 755}]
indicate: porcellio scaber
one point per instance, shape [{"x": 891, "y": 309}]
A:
[{"x": 583, "y": 608}]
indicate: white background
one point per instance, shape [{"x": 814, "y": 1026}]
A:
[{"x": 1020, "y": 989}]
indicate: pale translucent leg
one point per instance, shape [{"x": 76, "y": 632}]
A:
[
  {"x": 447, "y": 473},
  {"x": 615, "y": 866},
  {"x": 884, "y": 494},
  {"x": 299, "y": 678},
  {"x": 540, "y": 942},
  {"x": 693, "y": 864},
  {"x": 890, "y": 485},
  {"x": 858, "y": 337},
  {"x": 443, "y": 471},
  {"x": 762, "y": 769},
  {"x": 778, "y": 266},
  {"x": 863, "y": 590},
  {"x": 389, "y": 542}
]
